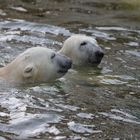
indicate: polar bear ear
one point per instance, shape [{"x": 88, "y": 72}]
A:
[{"x": 28, "y": 71}]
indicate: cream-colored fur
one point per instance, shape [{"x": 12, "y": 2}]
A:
[
  {"x": 36, "y": 64},
  {"x": 82, "y": 50}
]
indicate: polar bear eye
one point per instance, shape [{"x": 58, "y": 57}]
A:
[
  {"x": 28, "y": 69},
  {"x": 53, "y": 55},
  {"x": 83, "y": 46},
  {"x": 83, "y": 43}
]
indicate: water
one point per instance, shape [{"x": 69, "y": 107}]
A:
[{"x": 87, "y": 103}]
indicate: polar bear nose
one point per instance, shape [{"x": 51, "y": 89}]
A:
[
  {"x": 96, "y": 58},
  {"x": 99, "y": 54},
  {"x": 69, "y": 63},
  {"x": 66, "y": 64}
]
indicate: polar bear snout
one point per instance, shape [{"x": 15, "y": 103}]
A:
[
  {"x": 96, "y": 57},
  {"x": 64, "y": 63},
  {"x": 99, "y": 55}
]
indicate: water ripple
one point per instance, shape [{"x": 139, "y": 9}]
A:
[
  {"x": 121, "y": 116},
  {"x": 33, "y": 27},
  {"x": 81, "y": 128}
]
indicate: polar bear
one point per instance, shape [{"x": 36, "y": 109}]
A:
[
  {"x": 37, "y": 64},
  {"x": 82, "y": 50}
]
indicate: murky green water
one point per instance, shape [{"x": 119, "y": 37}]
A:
[{"x": 87, "y": 103}]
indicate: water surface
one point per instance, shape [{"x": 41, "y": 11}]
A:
[{"x": 87, "y": 103}]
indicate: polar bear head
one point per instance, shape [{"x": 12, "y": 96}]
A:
[
  {"x": 82, "y": 50},
  {"x": 36, "y": 64}
]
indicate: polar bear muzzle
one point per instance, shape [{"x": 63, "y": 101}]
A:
[
  {"x": 96, "y": 57},
  {"x": 64, "y": 63}
]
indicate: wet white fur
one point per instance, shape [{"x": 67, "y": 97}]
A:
[
  {"x": 71, "y": 48},
  {"x": 33, "y": 65}
]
